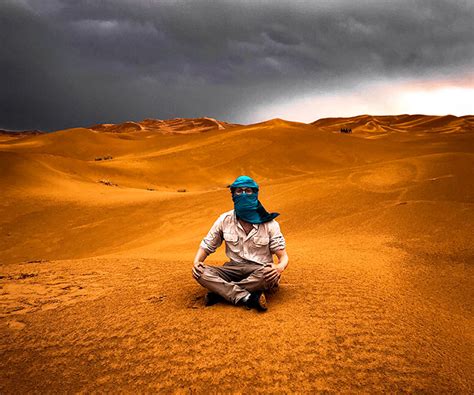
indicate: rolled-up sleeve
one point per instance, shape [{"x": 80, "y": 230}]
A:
[
  {"x": 213, "y": 239},
  {"x": 277, "y": 241}
]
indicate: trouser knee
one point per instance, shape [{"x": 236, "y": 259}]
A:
[{"x": 204, "y": 278}]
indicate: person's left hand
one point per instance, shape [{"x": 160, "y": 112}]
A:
[{"x": 273, "y": 273}]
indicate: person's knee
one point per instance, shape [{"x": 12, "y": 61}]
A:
[{"x": 205, "y": 276}]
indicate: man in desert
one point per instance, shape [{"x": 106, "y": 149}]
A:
[{"x": 252, "y": 236}]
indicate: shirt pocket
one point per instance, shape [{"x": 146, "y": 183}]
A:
[
  {"x": 231, "y": 238},
  {"x": 261, "y": 241},
  {"x": 260, "y": 248},
  {"x": 232, "y": 241}
]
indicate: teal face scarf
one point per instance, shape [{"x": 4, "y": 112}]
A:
[{"x": 248, "y": 207}]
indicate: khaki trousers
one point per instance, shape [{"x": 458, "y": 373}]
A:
[{"x": 233, "y": 281}]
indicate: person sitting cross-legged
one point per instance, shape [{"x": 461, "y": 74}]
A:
[{"x": 252, "y": 236}]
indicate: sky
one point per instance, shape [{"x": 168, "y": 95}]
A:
[{"x": 69, "y": 63}]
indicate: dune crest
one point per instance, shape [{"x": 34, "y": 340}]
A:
[
  {"x": 168, "y": 126},
  {"x": 398, "y": 123},
  {"x": 6, "y": 135}
]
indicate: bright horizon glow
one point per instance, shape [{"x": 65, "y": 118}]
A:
[{"x": 415, "y": 97}]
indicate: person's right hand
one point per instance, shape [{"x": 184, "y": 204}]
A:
[{"x": 198, "y": 269}]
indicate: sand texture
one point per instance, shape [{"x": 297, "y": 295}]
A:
[{"x": 99, "y": 227}]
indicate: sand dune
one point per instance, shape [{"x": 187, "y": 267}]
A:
[
  {"x": 6, "y": 135},
  {"x": 98, "y": 239},
  {"x": 399, "y": 123},
  {"x": 168, "y": 126}
]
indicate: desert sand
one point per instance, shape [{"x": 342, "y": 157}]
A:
[{"x": 99, "y": 227}]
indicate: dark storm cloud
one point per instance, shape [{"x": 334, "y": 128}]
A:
[{"x": 67, "y": 63}]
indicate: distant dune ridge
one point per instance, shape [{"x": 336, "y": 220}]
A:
[
  {"x": 99, "y": 226},
  {"x": 169, "y": 126},
  {"x": 18, "y": 133},
  {"x": 400, "y": 123},
  {"x": 363, "y": 123}
]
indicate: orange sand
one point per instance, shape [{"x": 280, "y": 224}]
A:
[{"x": 96, "y": 285}]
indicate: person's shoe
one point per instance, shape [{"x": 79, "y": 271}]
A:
[
  {"x": 257, "y": 300},
  {"x": 212, "y": 298}
]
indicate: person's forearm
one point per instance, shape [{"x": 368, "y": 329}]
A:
[
  {"x": 283, "y": 261},
  {"x": 201, "y": 255}
]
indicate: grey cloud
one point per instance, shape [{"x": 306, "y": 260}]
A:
[{"x": 71, "y": 62}]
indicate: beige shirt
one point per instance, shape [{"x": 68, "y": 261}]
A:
[{"x": 257, "y": 246}]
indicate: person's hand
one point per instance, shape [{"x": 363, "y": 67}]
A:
[
  {"x": 273, "y": 273},
  {"x": 198, "y": 269}
]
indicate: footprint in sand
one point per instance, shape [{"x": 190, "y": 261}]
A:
[
  {"x": 16, "y": 325},
  {"x": 157, "y": 299},
  {"x": 29, "y": 292}
]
